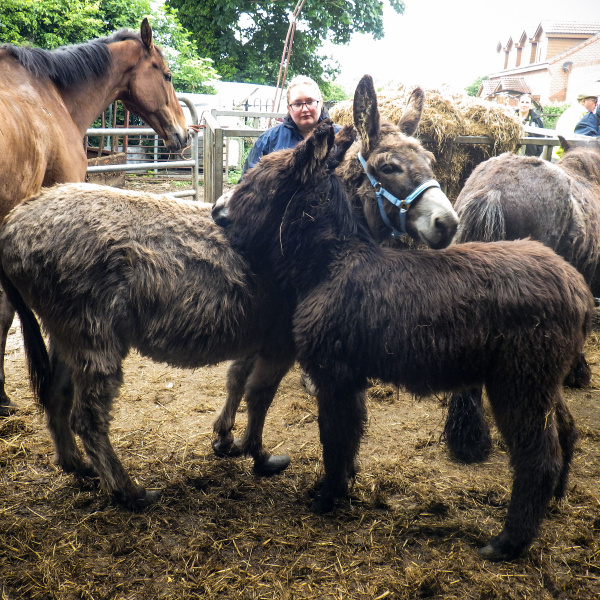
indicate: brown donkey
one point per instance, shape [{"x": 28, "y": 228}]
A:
[{"x": 511, "y": 316}]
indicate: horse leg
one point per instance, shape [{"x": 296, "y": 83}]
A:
[
  {"x": 342, "y": 420},
  {"x": 58, "y": 418},
  {"x": 7, "y": 314},
  {"x": 94, "y": 394},
  {"x": 237, "y": 375},
  {"x": 466, "y": 431},
  {"x": 567, "y": 436},
  {"x": 261, "y": 387},
  {"x": 529, "y": 427}
]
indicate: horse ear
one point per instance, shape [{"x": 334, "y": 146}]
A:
[
  {"x": 411, "y": 117},
  {"x": 366, "y": 114},
  {"x": 311, "y": 155},
  {"x": 563, "y": 143},
  {"x": 146, "y": 32}
]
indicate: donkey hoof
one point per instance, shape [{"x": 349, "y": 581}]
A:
[
  {"x": 139, "y": 502},
  {"x": 7, "y": 408},
  {"x": 321, "y": 504},
  {"x": 500, "y": 548},
  {"x": 272, "y": 466},
  {"x": 224, "y": 448}
]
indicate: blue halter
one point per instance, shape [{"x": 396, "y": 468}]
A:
[{"x": 403, "y": 205}]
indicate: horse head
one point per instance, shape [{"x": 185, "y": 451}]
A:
[
  {"x": 148, "y": 92},
  {"x": 397, "y": 191}
]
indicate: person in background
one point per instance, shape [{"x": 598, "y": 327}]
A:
[
  {"x": 589, "y": 124},
  {"x": 567, "y": 122},
  {"x": 305, "y": 110},
  {"x": 528, "y": 116}
]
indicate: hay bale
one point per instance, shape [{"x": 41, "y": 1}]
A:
[{"x": 446, "y": 116}]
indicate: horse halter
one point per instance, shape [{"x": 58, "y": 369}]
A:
[{"x": 403, "y": 205}]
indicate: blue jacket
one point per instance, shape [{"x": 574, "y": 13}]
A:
[
  {"x": 589, "y": 125},
  {"x": 280, "y": 137}
]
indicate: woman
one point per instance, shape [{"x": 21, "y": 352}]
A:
[{"x": 305, "y": 110}]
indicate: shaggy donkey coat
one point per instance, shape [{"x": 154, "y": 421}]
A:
[
  {"x": 513, "y": 197},
  {"x": 511, "y": 316},
  {"x": 107, "y": 271},
  {"x": 400, "y": 164}
]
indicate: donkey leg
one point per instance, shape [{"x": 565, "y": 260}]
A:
[
  {"x": 7, "y": 314},
  {"x": 580, "y": 374},
  {"x": 94, "y": 394},
  {"x": 466, "y": 431},
  {"x": 237, "y": 375},
  {"x": 58, "y": 418},
  {"x": 342, "y": 420},
  {"x": 529, "y": 428},
  {"x": 260, "y": 391},
  {"x": 567, "y": 437}
]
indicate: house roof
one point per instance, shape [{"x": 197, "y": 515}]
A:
[
  {"x": 504, "y": 84},
  {"x": 533, "y": 30},
  {"x": 575, "y": 27}
]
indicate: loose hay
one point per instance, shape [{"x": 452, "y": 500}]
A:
[
  {"x": 410, "y": 529},
  {"x": 446, "y": 116}
]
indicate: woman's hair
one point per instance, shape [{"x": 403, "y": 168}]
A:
[{"x": 303, "y": 80}]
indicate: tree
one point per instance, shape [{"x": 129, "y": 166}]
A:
[
  {"x": 474, "y": 87},
  {"x": 245, "y": 38}
]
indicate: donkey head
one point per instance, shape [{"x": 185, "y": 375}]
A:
[
  {"x": 398, "y": 193},
  {"x": 253, "y": 212}
]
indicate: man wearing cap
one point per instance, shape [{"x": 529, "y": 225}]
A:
[
  {"x": 568, "y": 120},
  {"x": 589, "y": 124}
]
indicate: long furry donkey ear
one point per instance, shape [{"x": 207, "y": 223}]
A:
[
  {"x": 312, "y": 154},
  {"x": 366, "y": 114},
  {"x": 411, "y": 117}
]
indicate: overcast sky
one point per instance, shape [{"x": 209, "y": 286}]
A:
[{"x": 448, "y": 41}]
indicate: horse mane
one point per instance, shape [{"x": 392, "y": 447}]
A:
[
  {"x": 70, "y": 65},
  {"x": 582, "y": 162}
]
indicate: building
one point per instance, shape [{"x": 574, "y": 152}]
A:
[{"x": 552, "y": 61}]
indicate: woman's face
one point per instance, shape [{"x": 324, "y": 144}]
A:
[{"x": 306, "y": 117}]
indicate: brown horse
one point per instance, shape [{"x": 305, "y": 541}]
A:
[
  {"x": 512, "y": 197},
  {"x": 510, "y": 315},
  {"x": 49, "y": 98}
]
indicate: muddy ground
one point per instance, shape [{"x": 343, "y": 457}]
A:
[{"x": 410, "y": 529}]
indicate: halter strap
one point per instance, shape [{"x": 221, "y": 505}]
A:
[{"x": 403, "y": 205}]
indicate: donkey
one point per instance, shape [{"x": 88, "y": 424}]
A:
[
  {"x": 511, "y": 197},
  {"x": 510, "y": 315},
  {"x": 389, "y": 178}
]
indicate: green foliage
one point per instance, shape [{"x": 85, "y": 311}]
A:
[
  {"x": 245, "y": 38},
  {"x": 334, "y": 92},
  {"x": 474, "y": 87},
  {"x": 550, "y": 114},
  {"x": 54, "y": 23}
]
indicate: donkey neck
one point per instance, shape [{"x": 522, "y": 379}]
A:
[{"x": 85, "y": 101}]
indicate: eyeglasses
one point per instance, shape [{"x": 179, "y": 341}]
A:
[{"x": 297, "y": 106}]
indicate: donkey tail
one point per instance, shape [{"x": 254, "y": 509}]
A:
[
  {"x": 481, "y": 218},
  {"x": 38, "y": 361}
]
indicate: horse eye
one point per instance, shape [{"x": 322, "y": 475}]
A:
[{"x": 168, "y": 77}]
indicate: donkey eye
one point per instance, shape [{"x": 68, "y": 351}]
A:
[{"x": 388, "y": 168}]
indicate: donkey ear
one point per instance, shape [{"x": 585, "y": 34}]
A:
[
  {"x": 411, "y": 116},
  {"x": 146, "y": 32},
  {"x": 311, "y": 155},
  {"x": 366, "y": 114},
  {"x": 563, "y": 143}
]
